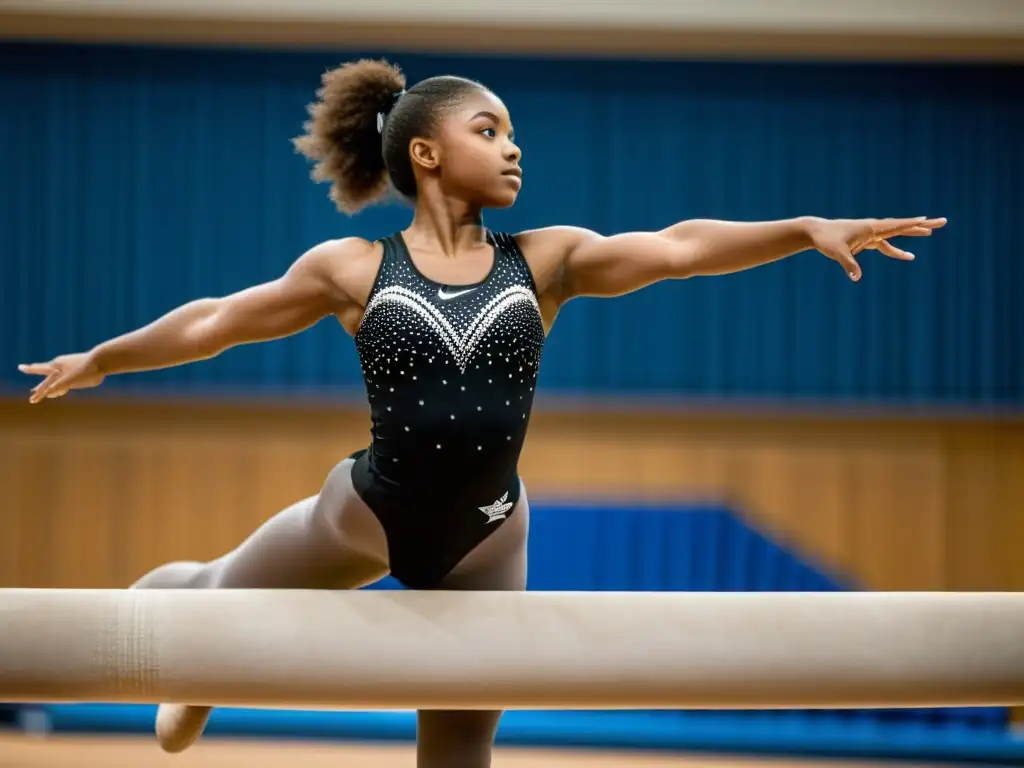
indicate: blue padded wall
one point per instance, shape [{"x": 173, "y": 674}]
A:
[{"x": 137, "y": 179}]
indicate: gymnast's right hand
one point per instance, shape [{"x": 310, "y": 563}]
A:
[{"x": 62, "y": 374}]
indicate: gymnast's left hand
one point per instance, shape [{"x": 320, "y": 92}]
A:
[{"x": 842, "y": 239}]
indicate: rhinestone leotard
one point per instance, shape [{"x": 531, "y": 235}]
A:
[{"x": 450, "y": 372}]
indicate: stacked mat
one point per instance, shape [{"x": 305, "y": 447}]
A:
[{"x": 693, "y": 548}]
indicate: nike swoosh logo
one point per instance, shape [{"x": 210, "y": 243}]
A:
[{"x": 444, "y": 296}]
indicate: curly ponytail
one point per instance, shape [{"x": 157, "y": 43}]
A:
[{"x": 342, "y": 135}]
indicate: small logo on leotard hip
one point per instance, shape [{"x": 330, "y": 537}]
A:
[{"x": 497, "y": 510}]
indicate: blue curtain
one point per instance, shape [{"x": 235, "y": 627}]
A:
[{"x": 137, "y": 179}]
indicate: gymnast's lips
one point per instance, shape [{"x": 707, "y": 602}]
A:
[{"x": 517, "y": 172}]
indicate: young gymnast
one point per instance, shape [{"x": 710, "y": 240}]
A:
[{"x": 449, "y": 320}]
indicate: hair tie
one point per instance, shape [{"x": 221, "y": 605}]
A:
[{"x": 381, "y": 116}]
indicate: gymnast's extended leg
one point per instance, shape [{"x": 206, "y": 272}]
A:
[
  {"x": 328, "y": 541},
  {"x": 465, "y": 738}
]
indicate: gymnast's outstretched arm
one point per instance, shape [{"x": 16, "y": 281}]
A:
[
  {"x": 585, "y": 263},
  {"x": 318, "y": 284}
]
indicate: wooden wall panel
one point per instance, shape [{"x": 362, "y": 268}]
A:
[
  {"x": 97, "y": 493},
  {"x": 985, "y": 499}
]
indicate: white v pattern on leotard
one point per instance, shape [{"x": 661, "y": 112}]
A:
[{"x": 461, "y": 345}]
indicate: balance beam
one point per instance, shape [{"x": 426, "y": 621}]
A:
[{"x": 512, "y": 650}]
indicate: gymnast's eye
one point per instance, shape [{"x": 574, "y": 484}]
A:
[{"x": 489, "y": 132}]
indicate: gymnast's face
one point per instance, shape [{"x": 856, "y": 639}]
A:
[{"x": 476, "y": 156}]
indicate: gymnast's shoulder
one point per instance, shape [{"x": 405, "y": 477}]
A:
[{"x": 350, "y": 264}]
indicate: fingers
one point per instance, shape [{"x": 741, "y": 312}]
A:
[
  {"x": 51, "y": 375},
  {"x": 890, "y": 250},
  {"x": 37, "y": 369},
  {"x": 848, "y": 262},
  {"x": 45, "y": 388},
  {"x": 885, "y": 227},
  {"x": 919, "y": 225}
]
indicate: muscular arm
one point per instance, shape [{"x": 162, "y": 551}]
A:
[
  {"x": 584, "y": 263},
  {"x": 204, "y": 328},
  {"x": 598, "y": 265}
]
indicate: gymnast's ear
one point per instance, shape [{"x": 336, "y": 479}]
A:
[{"x": 425, "y": 154}]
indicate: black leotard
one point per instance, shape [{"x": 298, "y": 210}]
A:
[{"x": 450, "y": 373}]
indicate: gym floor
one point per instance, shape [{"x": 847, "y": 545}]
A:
[{"x": 18, "y": 751}]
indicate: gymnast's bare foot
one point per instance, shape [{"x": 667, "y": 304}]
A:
[{"x": 179, "y": 726}]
